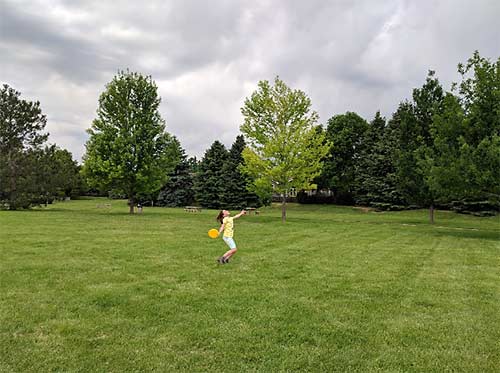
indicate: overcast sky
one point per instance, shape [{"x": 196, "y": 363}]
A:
[{"x": 207, "y": 56}]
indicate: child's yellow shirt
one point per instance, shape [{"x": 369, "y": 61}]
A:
[{"x": 228, "y": 226}]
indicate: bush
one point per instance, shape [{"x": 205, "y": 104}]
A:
[
  {"x": 383, "y": 206},
  {"x": 489, "y": 207}
]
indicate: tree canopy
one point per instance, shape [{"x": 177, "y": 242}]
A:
[
  {"x": 129, "y": 150},
  {"x": 31, "y": 172},
  {"x": 346, "y": 132},
  {"x": 465, "y": 162},
  {"x": 284, "y": 150}
]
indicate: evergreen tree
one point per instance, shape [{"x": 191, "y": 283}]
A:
[
  {"x": 21, "y": 131},
  {"x": 375, "y": 181},
  {"x": 194, "y": 166},
  {"x": 178, "y": 191},
  {"x": 209, "y": 186},
  {"x": 236, "y": 194}
]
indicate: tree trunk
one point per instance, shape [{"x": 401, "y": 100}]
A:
[
  {"x": 283, "y": 208},
  {"x": 431, "y": 213},
  {"x": 131, "y": 205}
]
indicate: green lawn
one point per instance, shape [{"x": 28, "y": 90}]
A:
[{"x": 87, "y": 289}]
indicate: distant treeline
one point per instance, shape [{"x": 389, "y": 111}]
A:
[{"x": 439, "y": 149}]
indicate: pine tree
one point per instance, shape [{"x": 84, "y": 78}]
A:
[
  {"x": 21, "y": 131},
  {"x": 375, "y": 183},
  {"x": 236, "y": 194},
  {"x": 209, "y": 185},
  {"x": 178, "y": 191}
]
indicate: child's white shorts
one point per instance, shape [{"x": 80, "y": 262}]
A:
[{"x": 230, "y": 242}]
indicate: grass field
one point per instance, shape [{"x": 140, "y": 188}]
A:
[{"x": 87, "y": 288}]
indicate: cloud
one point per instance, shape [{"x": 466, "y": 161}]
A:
[
  {"x": 206, "y": 57},
  {"x": 219, "y": 90}
]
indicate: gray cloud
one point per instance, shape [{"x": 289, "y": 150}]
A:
[{"x": 206, "y": 57}]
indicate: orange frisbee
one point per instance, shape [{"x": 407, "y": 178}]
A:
[{"x": 213, "y": 233}]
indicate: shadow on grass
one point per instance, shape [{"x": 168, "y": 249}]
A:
[
  {"x": 37, "y": 209},
  {"x": 468, "y": 233}
]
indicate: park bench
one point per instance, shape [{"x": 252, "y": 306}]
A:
[
  {"x": 192, "y": 209},
  {"x": 251, "y": 210}
]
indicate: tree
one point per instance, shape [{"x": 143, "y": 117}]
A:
[
  {"x": 236, "y": 194},
  {"x": 284, "y": 149},
  {"x": 465, "y": 163},
  {"x": 375, "y": 179},
  {"x": 415, "y": 140},
  {"x": 346, "y": 133},
  {"x": 444, "y": 174},
  {"x": 178, "y": 191},
  {"x": 194, "y": 166},
  {"x": 479, "y": 93},
  {"x": 21, "y": 126},
  {"x": 55, "y": 174},
  {"x": 209, "y": 181},
  {"x": 129, "y": 150}
]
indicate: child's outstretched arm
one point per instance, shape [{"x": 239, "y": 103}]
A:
[{"x": 243, "y": 212}]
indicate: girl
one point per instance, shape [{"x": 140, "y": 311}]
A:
[{"x": 227, "y": 226}]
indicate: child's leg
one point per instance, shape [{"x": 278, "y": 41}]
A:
[
  {"x": 229, "y": 253},
  {"x": 232, "y": 248}
]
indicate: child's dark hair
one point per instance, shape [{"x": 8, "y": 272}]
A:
[{"x": 220, "y": 217}]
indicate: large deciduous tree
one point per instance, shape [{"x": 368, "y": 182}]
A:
[
  {"x": 54, "y": 173},
  {"x": 284, "y": 149},
  {"x": 479, "y": 93},
  {"x": 415, "y": 140},
  {"x": 129, "y": 150},
  {"x": 465, "y": 161},
  {"x": 346, "y": 133}
]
